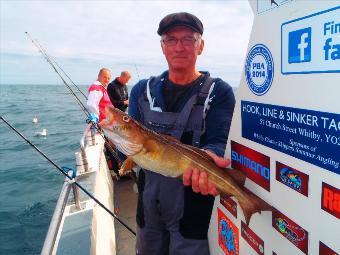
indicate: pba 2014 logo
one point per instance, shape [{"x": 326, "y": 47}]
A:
[
  {"x": 228, "y": 238},
  {"x": 259, "y": 69}
]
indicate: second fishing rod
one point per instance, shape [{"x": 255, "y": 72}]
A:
[
  {"x": 67, "y": 175},
  {"x": 55, "y": 67}
]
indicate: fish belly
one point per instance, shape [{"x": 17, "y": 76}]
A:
[{"x": 161, "y": 162}]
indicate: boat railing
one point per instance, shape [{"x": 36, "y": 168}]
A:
[
  {"x": 56, "y": 219},
  {"x": 87, "y": 139}
]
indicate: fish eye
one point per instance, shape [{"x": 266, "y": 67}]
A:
[{"x": 126, "y": 118}]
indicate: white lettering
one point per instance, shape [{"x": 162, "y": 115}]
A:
[
  {"x": 302, "y": 118},
  {"x": 303, "y": 45}
]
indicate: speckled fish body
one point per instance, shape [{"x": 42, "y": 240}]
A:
[{"x": 167, "y": 156}]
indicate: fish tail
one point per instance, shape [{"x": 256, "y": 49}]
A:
[{"x": 253, "y": 205}]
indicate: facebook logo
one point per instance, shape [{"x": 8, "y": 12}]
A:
[{"x": 300, "y": 45}]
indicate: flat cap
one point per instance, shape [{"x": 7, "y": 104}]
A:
[{"x": 180, "y": 19}]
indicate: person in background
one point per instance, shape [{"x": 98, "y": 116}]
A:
[
  {"x": 197, "y": 109},
  {"x": 118, "y": 92},
  {"x": 98, "y": 98}
]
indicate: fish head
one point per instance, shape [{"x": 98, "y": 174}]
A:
[{"x": 123, "y": 131}]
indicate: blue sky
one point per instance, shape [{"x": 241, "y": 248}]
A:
[{"x": 83, "y": 36}]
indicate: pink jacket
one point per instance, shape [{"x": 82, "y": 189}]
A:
[{"x": 98, "y": 99}]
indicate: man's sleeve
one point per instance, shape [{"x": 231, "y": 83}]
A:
[
  {"x": 93, "y": 101},
  {"x": 219, "y": 118}
]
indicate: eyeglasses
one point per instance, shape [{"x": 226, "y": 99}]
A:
[{"x": 185, "y": 41}]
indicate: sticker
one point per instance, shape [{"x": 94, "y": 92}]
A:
[
  {"x": 290, "y": 230},
  {"x": 259, "y": 69},
  {"x": 325, "y": 250},
  {"x": 229, "y": 204},
  {"x": 252, "y": 239},
  {"x": 254, "y": 164},
  {"x": 330, "y": 200},
  {"x": 308, "y": 135},
  {"x": 228, "y": 238},
  {"x": 292, "y": 178},
  {"x": 311, "y": 44}
]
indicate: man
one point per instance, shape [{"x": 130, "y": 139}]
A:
[
  {"x": 118, "y": 92},
  {"x": 98, "y": 98},
  {"x": 197, "y": 109}
]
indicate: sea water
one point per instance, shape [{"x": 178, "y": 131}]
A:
[{"x": 29, "y": 184}]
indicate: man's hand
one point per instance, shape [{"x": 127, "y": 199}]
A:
[
  {"x": 92, "y": 118},
  {"x": 199, "y": 180}
]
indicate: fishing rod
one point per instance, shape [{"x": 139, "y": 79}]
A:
[
  {"x": 69, "y": 177},
  {"x": 87, "y": 113},
  {"x": 137, "y": 71},
  {"x": 48, "y": 59},
  {"x": 55, "y": 62}
]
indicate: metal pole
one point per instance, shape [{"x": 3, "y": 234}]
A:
[
  {"x": 56, "y": 219},
  {"x": 76, "y": 196}
]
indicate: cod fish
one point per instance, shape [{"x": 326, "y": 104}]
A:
[{"x": 168, "y": 156}]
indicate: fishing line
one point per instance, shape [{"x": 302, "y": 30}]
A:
[
  {"x": 137, "y": 72},
  {"x": 61, "y": 77},
  {"x": 55, "y": 62},
  {"x": 49, "y": 60},
  {"x": 62, "y": 171}
]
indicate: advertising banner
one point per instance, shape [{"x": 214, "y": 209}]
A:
[{"x": 285, "y": 133}]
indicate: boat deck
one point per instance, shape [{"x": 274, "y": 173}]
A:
[{"x": 126, "y": 202}]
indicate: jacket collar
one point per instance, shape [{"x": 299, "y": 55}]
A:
[{"x": 157, "y": 89}]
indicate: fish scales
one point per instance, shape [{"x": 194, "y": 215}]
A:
[{"x": 167, "y": 156}]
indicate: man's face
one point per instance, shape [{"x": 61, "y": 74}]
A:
[
  {"x": 181, "y": 46},
  {"x": 104, "y": 77},
  {"x": 125, "y": 79}
]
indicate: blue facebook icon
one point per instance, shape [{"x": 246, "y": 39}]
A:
[{"x": 300, "y": 45}]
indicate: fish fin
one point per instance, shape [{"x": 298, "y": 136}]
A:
[
  {"x": 257, "y": 205},
  {"x": 179, "y": 146},
  {"x": 171, "y": 138},
  {"x": 127, "y": 166},
  {"x": 238, "y": 176},
  {"x": 152, "y": 148},
  {"x": 198, "y": 151}
]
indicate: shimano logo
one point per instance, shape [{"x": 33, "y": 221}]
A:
[
  {"x": 300, "y": 45},
  {"x": 251, "y": 164}
]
